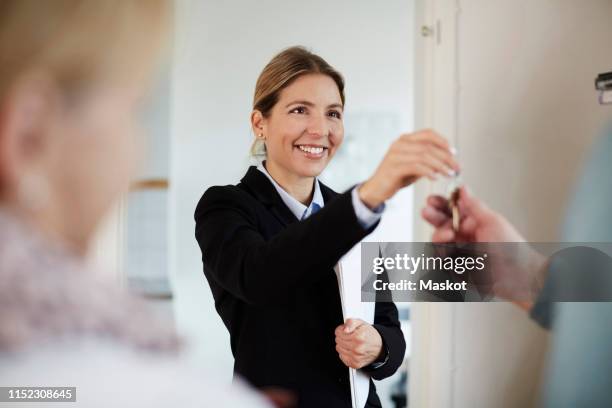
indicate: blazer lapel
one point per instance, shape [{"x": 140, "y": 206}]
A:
[
  {"x": 327, "y": 193},
  {"x": 262, "y": 189},
  {"x": 259, "y": 185}
]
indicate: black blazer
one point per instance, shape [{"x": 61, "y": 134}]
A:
[{"x": 275, "y": 289}]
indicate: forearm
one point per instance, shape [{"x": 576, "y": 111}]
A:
[{"x": 244, "y": 263}]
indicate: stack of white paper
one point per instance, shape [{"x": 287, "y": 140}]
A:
[{"x": 348, "y": 271}]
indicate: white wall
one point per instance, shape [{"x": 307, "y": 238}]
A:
[
  {"x": 528, "y": 107},
  {"x": 220, "y": 49},
  {"x": 526, "y": 112}
]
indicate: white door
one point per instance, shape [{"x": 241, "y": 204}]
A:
[{"x": 511, "y": 83}]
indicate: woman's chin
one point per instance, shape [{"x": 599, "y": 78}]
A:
[{"x": 311, "y": 169}]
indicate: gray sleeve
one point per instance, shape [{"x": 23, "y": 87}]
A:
[
  {"x": 588, "y": 219},
  {"x": 543, "y": 310}
]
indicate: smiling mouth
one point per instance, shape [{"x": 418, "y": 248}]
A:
[{"x": 313, "y": 151}]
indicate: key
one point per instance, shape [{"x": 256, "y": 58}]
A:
[
  {"x": 452, "y": 189},
  {"x": 453, "y": 204},
  {"x": 453, "y": 200}
]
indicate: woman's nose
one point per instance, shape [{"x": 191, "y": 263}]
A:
[{"x": 317, "y": 126}]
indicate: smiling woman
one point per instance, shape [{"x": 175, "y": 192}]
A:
[
  {"x": 270, "y": 244},
  {"x": 312, "y": 103},
  {"x": 314, "y": 100}
]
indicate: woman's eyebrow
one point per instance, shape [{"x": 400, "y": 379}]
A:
[
  {"x": 301, "y": 102},
  {"x": 308, "y": 103}
]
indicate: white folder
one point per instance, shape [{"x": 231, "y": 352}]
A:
[{"x": 348, "y": 272}]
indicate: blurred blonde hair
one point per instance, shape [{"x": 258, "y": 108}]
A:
[
  {"x": 77, "y": 41},
  {"x": 279, "y": 73}
]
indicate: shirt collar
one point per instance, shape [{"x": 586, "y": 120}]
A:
[{"x": 297, "y": 208}]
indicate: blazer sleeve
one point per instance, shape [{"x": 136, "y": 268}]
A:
[
  {"x": 386, "y": 322},
  {"x": 260, "y": 271}
]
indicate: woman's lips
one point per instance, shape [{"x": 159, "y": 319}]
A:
[{"x": 312, "y": 152}]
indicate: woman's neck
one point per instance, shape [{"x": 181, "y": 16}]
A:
[
  {"x": 48, "y": 227},
  {"x": 300, "y": 188}
]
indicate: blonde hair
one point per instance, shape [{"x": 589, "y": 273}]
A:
[
  {"x": 279, "y": 73},
  {"x": 77, "y": 40}
]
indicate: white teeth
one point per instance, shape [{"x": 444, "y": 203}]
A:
[{"x": 312, "y": 150}]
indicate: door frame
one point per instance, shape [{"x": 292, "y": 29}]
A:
[{"x": 432, "y": 363}]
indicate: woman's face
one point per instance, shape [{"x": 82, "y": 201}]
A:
[
  {"x": 304, "y": 129},
  {"x": 99, "y": 146}
]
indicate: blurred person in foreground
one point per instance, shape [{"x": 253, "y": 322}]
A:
[
  {"x": 579, "y": 372},
  {"x": 72, "y": 77}
]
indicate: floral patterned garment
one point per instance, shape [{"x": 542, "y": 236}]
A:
[{"x": 47, "y": 294}]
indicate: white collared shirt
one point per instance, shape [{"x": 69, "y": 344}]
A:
[{"x": 365, "y": 216}]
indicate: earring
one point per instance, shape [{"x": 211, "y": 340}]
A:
[{"x": 261, "y": 136}]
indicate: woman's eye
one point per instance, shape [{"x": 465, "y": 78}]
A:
[
  {"x": 299, "y": 109},
  {"x": 335, "y": 114}
]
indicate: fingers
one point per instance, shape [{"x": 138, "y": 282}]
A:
[
  {"x": 428, "y": 136},
  {"x": 353, "y": 339},
  {"x": 349, "y": 361},
  {"x": 468, "y": 204},
  {"x": 412, "y": 169},
  {"x": 438, "y": 161},
  {"x": 444, "y": 233},
  {"x": 438, "y": 202},
  {"x": 444, "y": 160},
  {"x": 348, "y": 329},
  {"x": 447, "y": 157},
  {"x": 344, "y": 359},
  {"x": 349, "y": 357},
  {"x": 353, "y": 348},
  {"x": 351, "y": 342},
  {"x": 435, "y": 216},
  {"x": 431, "y": 144},
  {"x": 410, "y": 157},
  {"x": 438, "y": 165},
  {"x": 351, "y": 325},
  {"x": 468, "y": 225},
  {"x": 343, "y": 349}
]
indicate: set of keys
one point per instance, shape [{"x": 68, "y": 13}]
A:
[
  {"x": 453, "y": 204},
  {"x": 453, "y": 193}
]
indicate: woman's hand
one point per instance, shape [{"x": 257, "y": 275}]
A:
[
  {"x": 410, "y": 157},
  {"x": 358, "y": 343}
]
